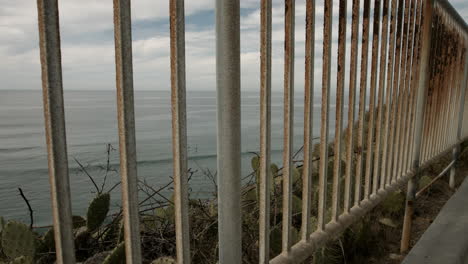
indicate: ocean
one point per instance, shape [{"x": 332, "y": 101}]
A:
[{"x": 91, "y": 123}]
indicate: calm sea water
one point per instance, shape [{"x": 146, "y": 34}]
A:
[{"x": 91, "y": 124}]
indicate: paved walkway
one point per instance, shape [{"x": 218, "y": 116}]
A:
[{"x": 446, "y": 240}]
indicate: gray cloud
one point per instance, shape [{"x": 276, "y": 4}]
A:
[{"x": 88, "y": 52}]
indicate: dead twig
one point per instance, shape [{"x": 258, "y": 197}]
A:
[
  {"x": 31, "y": 212},
  {"x": 83, "y": 169}
]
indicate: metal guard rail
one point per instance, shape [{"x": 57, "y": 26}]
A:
[{"x": 418, "y": 78}]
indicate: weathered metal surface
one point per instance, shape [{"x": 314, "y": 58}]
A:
[
  {"x": 228, "y": 130},
  {"x": 373, "y": 85},
  {"x": 402, "y": 94},
  {"x": 126, "y": 120},
  {"x": 362, "y": 101},
  {"x": 326, "y": 72},
  {"x": 415, "y": 83},
  {"x": 377, "y": 182},
  {"x": 179, "y": 130},
  {"x": 339, "y": 109},
  {"x": 288, "y": 123},
  {"x": 265, "y": 131},
  {"x": 409, "y": 91},
  {"x": 390, "y": 177},
  {"x": 351, "y": 104},
  {"x": 308, "y": 121},
  {"x": 54, "y": 115},
  {"x": 389, "y": 102}
]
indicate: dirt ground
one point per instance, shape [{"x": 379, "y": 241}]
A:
[{"x": 427, "y": 208}]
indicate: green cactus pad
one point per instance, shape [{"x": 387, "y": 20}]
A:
[
  {"x": 82, "y": 236},
  {"x": 22, "y": 260},
  {"x": 48, "y": 239},
  {"x": 274, "y": 169},
  {"x": 78, "y": 221},
  {"x": 17, "y": 240},
  {"x": 2, "y": 224},
  {"x": 117, "y": 256},
  {"x": 255, "y": 162},
  {"x": 97, "y": 211},
  {"x": 296, "y": 204},
  {"x": 164, "y": 260}
]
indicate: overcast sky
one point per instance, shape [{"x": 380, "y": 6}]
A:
[{"x": 88, "y": 47}]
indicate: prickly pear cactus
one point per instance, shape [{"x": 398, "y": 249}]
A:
[
  {"x": 255, "y": 162},
  {"x": 22, "y": 260},
  {"x": 82, "y": 236},
  {"x": 48, "y": 241},
  {"x": 164, "y": 260},
  {"x": 117, "y": 256},
  {"x": 78, "y": 221},
  {"x": 17, "y": 240},
  {"x": 97, "y": 211},
  {"x": 2, "y": 224}
]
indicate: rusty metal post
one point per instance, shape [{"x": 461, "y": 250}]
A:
[
  {"x": 308, "y": 121},
  {"x": 126, "y": 120},
  {"x": 351, "y": 105},
  {"x": 326, "y": 73},
  {"x": 456, "y": 150},
  {"x": 455, "y": 154},
  {"x": 339, "y": 110},
  {"x": 179, "y": 130},
  {"x": 54, "y": 114},
  {"x": 419, "y": 116},
  {"x": 288, "y": 124},
  {"x": 362, "y": 102},
  {"x": 229, "y": 130},
  {"x": 265, "y": 131}
]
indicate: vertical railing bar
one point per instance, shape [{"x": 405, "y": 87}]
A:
[
  {"x": 265, "y": 131},
  {"x": 463, "y": 85},
  {"x": 458, "y": 67},
  {"x": 362, "y": 101},
  {"x": 308, "y": 121},
  {"x": 389, "y": 93},
  {"x": 395, "y": 100},
  {"x": 126, "y": 120},
  {"x": 54, "y": 115},
  {"x": 402, "y": 95},
  {"x": 351, "y": 104},
  {"x": 423, "y": 73},
  {"x": 441, "y": 84},
  {"x": 288, "y": 123},
  {"x": 326, "y": 72},
  {"x": 408, "y": 89},
  {"x": 428, "y": 118},
  {"x": 450, "y": 87},
  {"x": 423, "y": 69},
  {"x": 463, "y": 88},
  {"x": 415, "y": 80},
  {"x": 433, "y": 105},
  {"x": 460, "y": 71},
  {"x": 438, "y": 84},
  {"x": 445, "y": 90},
  {"x": 228, "y": 130},
  {"x": 339, "y": 108},
  {"x": 380, "y": 103},
  {"x": 179, "y": 130},
  {"x": 373, "y": 83},
  {"x": 452, "y": 91}
]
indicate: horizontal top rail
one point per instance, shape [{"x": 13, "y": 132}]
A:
[{"x": 447, "y": 6}]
